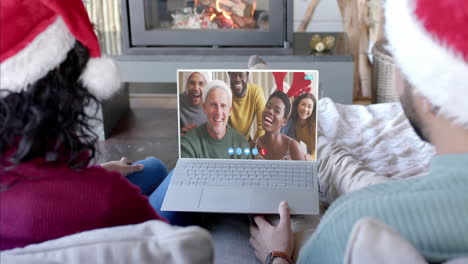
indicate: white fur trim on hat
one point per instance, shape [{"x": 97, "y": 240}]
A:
[
  {"x": 101, "y": 77},
  {"x": 217, "y": 84},
  {"x": 434, "y": 69},
  {"x": 205, "y": 74},
  {"x": 44, "y": 53}
]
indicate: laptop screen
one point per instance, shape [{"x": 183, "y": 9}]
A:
[{"x": 248, "y": 114}]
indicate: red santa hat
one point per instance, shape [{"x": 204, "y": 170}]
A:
[
  {"x": 429, "y": 41},
  {"x": 36, "y": 36}
]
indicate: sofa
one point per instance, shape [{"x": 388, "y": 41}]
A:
[{"x": 358, "y": 146}]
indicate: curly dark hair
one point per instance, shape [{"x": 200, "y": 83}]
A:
[
  {"x": 283, "y": 97},
  {"x": 311, "y": 119},
  {"x": 49, "y": 118}
]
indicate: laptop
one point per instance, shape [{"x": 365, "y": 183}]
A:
[{"x": 238, "y": 172}]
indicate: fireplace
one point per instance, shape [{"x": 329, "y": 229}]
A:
[{"x": 207, "y": 26}]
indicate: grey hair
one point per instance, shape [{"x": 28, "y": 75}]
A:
[{"x": 217, "y": 84}]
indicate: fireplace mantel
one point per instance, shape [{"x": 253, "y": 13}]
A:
[{"x": 336, "y": 67}]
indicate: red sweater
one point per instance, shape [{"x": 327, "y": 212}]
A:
[{"x": 56, "y": 201}]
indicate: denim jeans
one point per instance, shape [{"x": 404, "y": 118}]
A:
[{"x": 153, "y": 181}]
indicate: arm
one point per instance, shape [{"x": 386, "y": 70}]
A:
[
  {"x": 266, "y": 238},
  {"x": 260, "y": 103},
  {"x": 126, "y": 204},
  {"x": 186, "y": 148},
  {"x": 295, "y": 151},
  {"x": 122, "y": 166}
]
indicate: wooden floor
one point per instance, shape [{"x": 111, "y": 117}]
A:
[{"x": 145, "y": 131}]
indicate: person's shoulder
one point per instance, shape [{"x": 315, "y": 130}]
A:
[
  {"x": 256, "y": 94},
  {"x": 255, "y": 86},
  {"x": 195, "y": 135},
  {"x": 291, "y": 141},
  {"x": 255, "y": 89},
  {"x": 293, "y": 145},
  {"x": 195, "y": 132}
]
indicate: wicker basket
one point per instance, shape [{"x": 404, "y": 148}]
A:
[{"x": 383, "y": 75}]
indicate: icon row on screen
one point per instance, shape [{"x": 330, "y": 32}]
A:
[{"x": 247, "y": 151}]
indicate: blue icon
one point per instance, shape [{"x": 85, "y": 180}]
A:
[
  {"x": 254, "y": 151},
  {"x": 308, "y": 77},
  {"x": 247, "y": 151},
  {"x": 239, "y": 151},
  {"x": 231, "y": 151}
]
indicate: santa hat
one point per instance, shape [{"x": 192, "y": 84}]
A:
[
  {"x": 205, "y": 74},
  {"x": 36, "y": 36},
  {"x": 428, "y": 40}
]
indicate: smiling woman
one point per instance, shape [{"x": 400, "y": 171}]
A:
[
  {"x": 302, "y": 124},
  {"x": 276, "y": 145}
]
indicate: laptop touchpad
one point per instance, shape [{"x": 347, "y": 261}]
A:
[{"x": 225, "y": 199}]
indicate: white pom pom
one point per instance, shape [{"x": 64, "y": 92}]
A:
[{"x": 101, "y": 77}]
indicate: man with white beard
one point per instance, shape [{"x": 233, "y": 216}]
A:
[{"x": 215, "y": 138}]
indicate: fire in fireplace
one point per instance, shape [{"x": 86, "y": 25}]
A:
[
  {"x": 220, "y": 14},
  {"x": 227, "y": 25}
]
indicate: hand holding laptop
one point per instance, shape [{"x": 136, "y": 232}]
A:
[{"x": 266, "y": 238}]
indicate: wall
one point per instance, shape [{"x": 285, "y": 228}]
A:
[{"x": 326, "y": 18}]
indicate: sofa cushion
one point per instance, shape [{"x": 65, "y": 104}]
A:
[
  {"x": 149, "y": 242},
  {"x": 373, "y": 241}
]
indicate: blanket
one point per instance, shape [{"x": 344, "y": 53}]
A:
[{"x": 363, "y": 145}]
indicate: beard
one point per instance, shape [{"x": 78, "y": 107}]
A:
[
  {"x": 237, "y": 93},
  {"x": 407, "y": 102},
  {"x": 244, "y": 87}
]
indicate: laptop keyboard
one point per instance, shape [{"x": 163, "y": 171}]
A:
[{"x": 239, "y": 173}]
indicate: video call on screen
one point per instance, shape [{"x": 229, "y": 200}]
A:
[{"x": 254, "y": 114}]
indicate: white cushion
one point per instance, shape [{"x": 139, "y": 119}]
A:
[
  {"x": 373, "y": 241},
  {"x": 148, "y": 242}
]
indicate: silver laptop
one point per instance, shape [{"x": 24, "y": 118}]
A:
[{"x": 243, "y": 177}]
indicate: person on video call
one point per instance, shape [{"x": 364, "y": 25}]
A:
[
  {"x": 190, "y": 101},
  {"x": 276, "y": 145},
  {"x": 430, "y": 212},
  {"x": 214, "y": 138},
  {"x": 302, "y": 122},
  {"x": 248, "y": 102}
]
